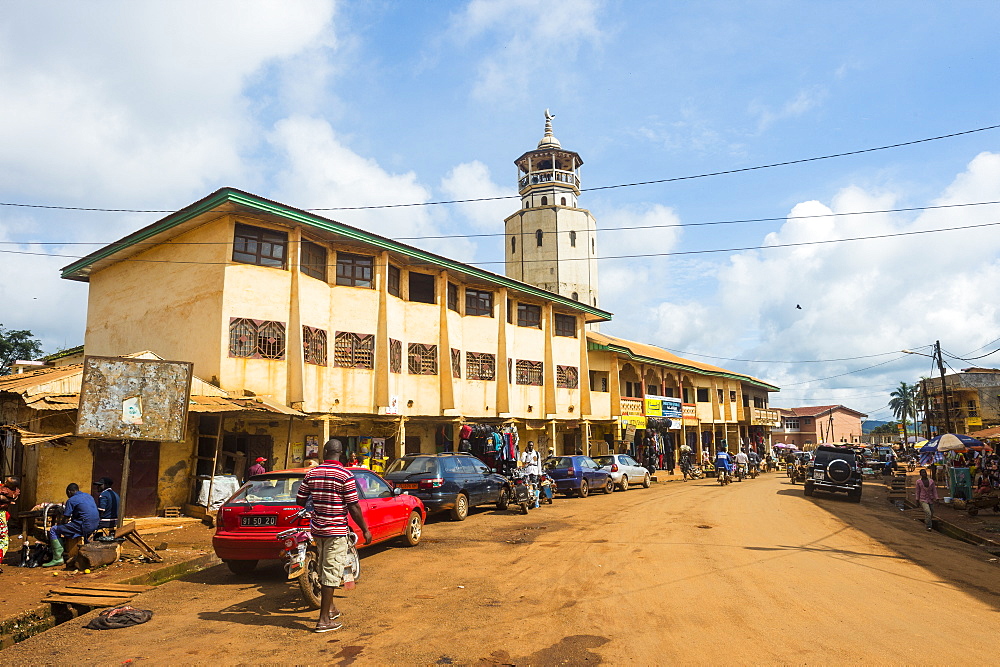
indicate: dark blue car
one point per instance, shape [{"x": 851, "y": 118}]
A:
[
  {"x": 578, "y": 474},
  {"x": 453, "y": 482}
]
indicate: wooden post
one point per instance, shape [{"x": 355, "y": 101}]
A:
[{"x": 124, "y": 484}]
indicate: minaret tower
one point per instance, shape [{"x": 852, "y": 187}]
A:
[{"x": 551, "y": 242}]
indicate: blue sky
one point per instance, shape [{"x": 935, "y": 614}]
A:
[{"x": 322, "y": 104}]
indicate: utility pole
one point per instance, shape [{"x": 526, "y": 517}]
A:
[
  {"x": 944, "y": 387},
  {"x": 927, "y": 425}
]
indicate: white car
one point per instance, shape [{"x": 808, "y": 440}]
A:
[{"x": 624, "y": 470}]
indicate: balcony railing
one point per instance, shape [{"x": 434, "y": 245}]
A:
[
  {"x": 632, "y": 407},
  {"x": 550, "y": 176}
]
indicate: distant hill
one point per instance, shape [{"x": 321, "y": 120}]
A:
[{"x": 869, "y": 425}]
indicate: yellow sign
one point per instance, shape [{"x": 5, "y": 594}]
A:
[
  {"x": 973, "y": 421},
  {"x": 654, "y": 407},
  {"x": 638, "y": 420}
]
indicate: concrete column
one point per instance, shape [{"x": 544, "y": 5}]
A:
[
  {"x": 549, "y": 375},
  {"x": 382, "y": 334},
  {"x": 502, "y": 380},
  {"x": 294, "y": 361},
  {"x": 445, "y": 380}
]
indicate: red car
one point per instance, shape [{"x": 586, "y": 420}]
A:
[{"x": 263, "y": 507}]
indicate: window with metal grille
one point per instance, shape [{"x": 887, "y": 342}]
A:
[
  {"x": 529, "y": 315},
  {"x": 422, "y": 287},
  {"x": 256, "y": 339},
  {"x": 478, "y": 302},
  {"x": 456, "y": 363},
  {"x": 314, "y": 345},
  {"x": 312, "y": 260},
  {"x": 351, "y": 350},
  {"x": 529, "y": 372},
  {"x": 567, "y": 377},
  {"x": 355, "y": 270},
  {"x": 453, "y": 297},
  {"x": 565, "y": 325},
  {"x": 423, "y": 359},
  {"x": 395, "y": 356},
  {"x": 256, "y": 245},
  {"x": 393, "y": 280},
  {"x": 480, "y": 366}
]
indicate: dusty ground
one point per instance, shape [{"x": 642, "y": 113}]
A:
[
  {"x": 680, "y": 573},
  {"x": 23, "y": 588}
]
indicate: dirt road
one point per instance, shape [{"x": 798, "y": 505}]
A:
[{"x": 679, "y": 573}]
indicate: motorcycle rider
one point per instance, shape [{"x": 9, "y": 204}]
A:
[
  {"x": 531, "y": 462},
  {"x": 723, "y": 463},
  {"x": 685, "y": 460},
  {"x": 743, "y": 461},
  {"x": 754, "y": 460}
]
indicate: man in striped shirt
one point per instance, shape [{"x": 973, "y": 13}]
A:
[{"x": 334, "y": 494}]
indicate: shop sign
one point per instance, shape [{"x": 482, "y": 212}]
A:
[
  {"x": 664, "y": 406},
  {"x": 635, "y": 421}
]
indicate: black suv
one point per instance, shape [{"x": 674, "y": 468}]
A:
[
  {"x": 834, "y": 469},
  {"x": 452, "y": 482}
]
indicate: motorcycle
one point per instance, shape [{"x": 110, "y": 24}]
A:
[
  {"x": 791, "y": 471},
  {"x": 740, "y": 472},
  {"x": 723, "y": 476},
  {"x": 525, "y": 491},
  {"x": 754, "y": 470},
  {"x": 302, "y": 560},
  {"x": 693, "y": 472}
]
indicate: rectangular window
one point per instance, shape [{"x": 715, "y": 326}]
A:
[
  {"x": 652, "y": 390},
  {"x": 478, "y": 302},
  {"x": 668, "y": 392},
  {"x": 393, "y": 280},
  {"x": 702, "y": 395},
  {"x": 565, "y": 325},
  {"x": 256, "y": 339},
  {"x": 453, "y": 297},
  {"x": 791, "y": 422},
  {"x": 529, "y": 372},
  {"x": 510, "y": 370},
  {"x": 746, "y": 400},
  {"x": 312, "y": 260},
  {"x": 807, "y": 420},
  {"x": 423, "y": 359},
  {"x": 567, "y": 377},
  {"x": 529, "y": 315},
  {"x": 480, "y": 366},
  {"x": 314, "y": 345},
  {"x": 395, "y": 356},
  {"x": 598, "y": 381},
  {"x": 355, "y": 270},
  {"x": 351, "y": 350},
  {"x": 422, "y": 287},
  {"x": 687, "y": 394},
  {"x": 456, "y": 363},
  {"x": 721, "y": 399},
  {"x": 732, "y": 397},
  {"x": 510, "y": 311},
  {"x": 263, "y": 247}
]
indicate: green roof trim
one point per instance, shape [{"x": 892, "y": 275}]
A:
[
  {"x": 78, "y": 270},
  {"x": 68, "y": 352},
  {"x": 621, "y": 349}
]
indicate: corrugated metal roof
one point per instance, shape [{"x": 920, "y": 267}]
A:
[
  {"x": 29, "y": 438},
  {"x": 659, "y": 354}
]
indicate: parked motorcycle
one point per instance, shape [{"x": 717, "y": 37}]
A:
[
  {"x": 525, "y": 492},
  {"x": 302, "y": 560}
]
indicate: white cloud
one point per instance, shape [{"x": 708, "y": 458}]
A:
[
  {"x": 857, "y": 298},
  {"x": 150, "y": 102},
  {"x": 530, "y": 36},
  {"x": 472, "y": 180},
  {"x": 321, "y": 171},
  {"x": 804, "y": 101}
]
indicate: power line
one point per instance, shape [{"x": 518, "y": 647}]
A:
[
  {"x": 763, "y": 361},
  {"x": 795, "y": 384},
  {"x": 594, "y": 189},
  {"x": 606, "y": 257},
  {"x": 569, "y": 231}
]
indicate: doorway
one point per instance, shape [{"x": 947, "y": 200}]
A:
[
  {"x": 412, "y": 444},
  {"x": 144, "y": 472}
]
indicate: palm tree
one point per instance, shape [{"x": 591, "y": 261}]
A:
[{"x": 903, "y": 403}]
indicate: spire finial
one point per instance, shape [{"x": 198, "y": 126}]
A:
[{"x": 548, "y": 123}]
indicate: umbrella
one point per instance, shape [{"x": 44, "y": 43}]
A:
[
  {"x": 782, "y": 445},
  {"x": 950, "y": 442}
]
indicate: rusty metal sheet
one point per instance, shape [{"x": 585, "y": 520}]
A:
[{"x": 134, "y": 399}]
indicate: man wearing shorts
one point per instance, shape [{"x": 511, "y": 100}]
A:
[{"x": 334, "y": 494}]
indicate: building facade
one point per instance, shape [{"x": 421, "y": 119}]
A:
[
  {"x": 807, "y": 427},
  {"x": 973, "y": 401}
]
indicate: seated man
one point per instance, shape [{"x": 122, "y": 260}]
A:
[
  {"x": 83, "y": 520},
  {"x": 107, "y": 505}
]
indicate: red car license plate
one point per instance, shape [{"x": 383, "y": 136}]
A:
[
  {"x": 268, "y": 520},
  {"x": 407, "y": 486}
]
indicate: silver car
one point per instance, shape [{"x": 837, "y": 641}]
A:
[{"x": 624, "y": 470}]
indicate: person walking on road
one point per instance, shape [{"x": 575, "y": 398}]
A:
[
  {"x": 334, "y": 495},
  {"x": 10, "y": 490},
  {"x": 531, "y": 462},
  {"x": 927, "y": 495}
]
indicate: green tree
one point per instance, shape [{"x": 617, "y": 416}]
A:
[
  {"x": 903, "y": 403},
  {"x": 889, "y": 428},
  {"x": 16, "y": 345}
]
